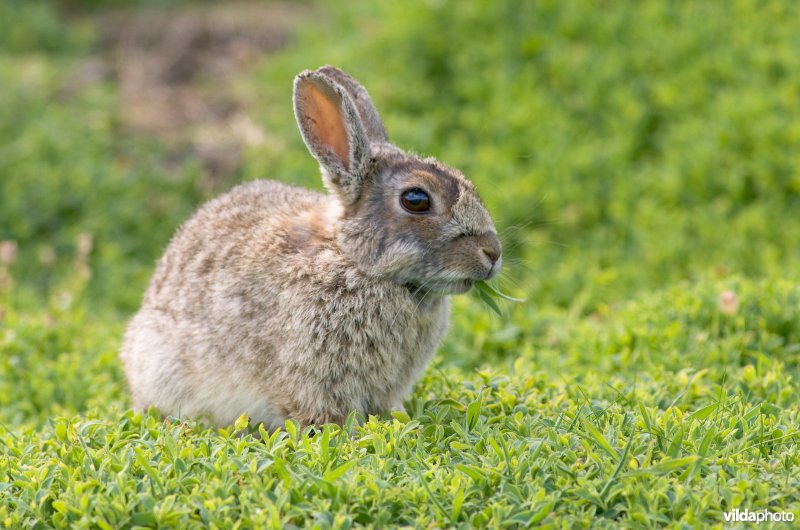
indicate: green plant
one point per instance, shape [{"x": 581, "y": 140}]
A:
[
  {"x": 488, "y": 294},
  {"x": 640, "y": 161}
]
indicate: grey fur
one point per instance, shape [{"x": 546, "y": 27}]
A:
[{"x": 282, "y": 302}]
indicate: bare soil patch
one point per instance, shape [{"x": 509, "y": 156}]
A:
[{"x": 177, "y": 70}]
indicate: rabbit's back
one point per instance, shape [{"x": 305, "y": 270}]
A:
[
  {"x": 254, "y": 309},
  {"x": 226, "y": 239}
]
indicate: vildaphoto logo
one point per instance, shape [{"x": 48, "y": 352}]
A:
[{"x": 746, "y": 516}]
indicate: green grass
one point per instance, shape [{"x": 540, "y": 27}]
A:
[{"x": 641, "y": 160}]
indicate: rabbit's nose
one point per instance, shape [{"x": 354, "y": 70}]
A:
[
  {"x": 492, "y": 254},
  {"x": 490, "y": 246}
]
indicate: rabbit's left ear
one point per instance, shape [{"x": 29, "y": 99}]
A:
[{"x": 333, "y": 132}]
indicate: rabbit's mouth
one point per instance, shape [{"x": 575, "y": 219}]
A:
[
  {"x": 442, "y": 288},
  {"x": 461, "y": 286},
  {"x": 454, "y": 286}
]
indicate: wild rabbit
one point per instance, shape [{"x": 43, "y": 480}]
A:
[{"x": 281, "y": 302}]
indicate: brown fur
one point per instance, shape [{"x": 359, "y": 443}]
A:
[{"x": 282, "y": 302}]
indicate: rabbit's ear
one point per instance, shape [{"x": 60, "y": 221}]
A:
[
  {"x": 373, "y": 125},
  {"x": 333, "y": 132}
]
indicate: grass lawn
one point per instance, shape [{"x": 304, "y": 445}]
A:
[{"x": 642, "y": 163}]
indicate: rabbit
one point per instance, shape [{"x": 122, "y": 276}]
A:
[{"x": 281, "y": 302}]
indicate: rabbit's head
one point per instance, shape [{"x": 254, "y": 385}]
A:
[{"x": 409, "y": 219}]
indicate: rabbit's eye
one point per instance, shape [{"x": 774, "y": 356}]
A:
[{"x": 415, "y": 200}]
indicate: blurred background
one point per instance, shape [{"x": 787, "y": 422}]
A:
[{"x": 622, "y": 147}]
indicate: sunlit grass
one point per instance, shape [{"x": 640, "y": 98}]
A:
[{"x": 635, "y": 365}]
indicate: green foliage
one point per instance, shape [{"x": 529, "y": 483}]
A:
[
  {"x": 35, "y": 26},
  {"x": 513, "y": 449},
  {"x": 68, "y": 169},
  {"x": 619, "y": 146},
  {"x": 640, "y": 159},
  {"x": 489, "y": 295}
]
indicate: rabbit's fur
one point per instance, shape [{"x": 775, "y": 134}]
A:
[{"x": 282, "y": 302}]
